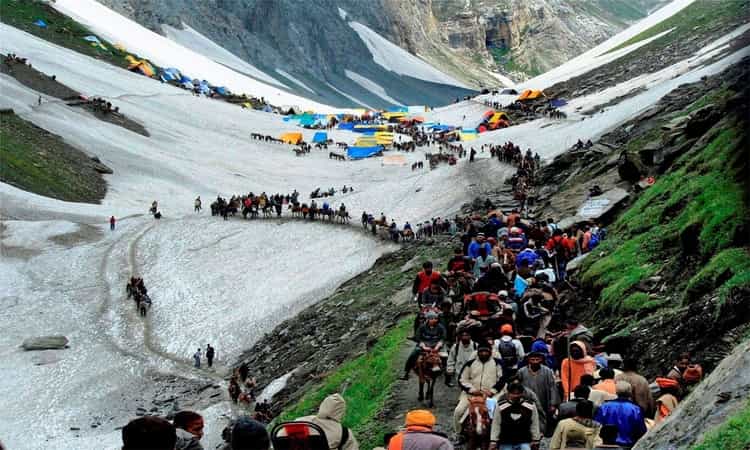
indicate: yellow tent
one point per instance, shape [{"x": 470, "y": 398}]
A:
[
  {"x": 291, "y": 138},
  {"x": 467, "y": 136},
  {"x": 141, "y": 66},
  {"x": 367, "y": 141}
]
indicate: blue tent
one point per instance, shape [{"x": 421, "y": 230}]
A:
[
  {"x": 40, "y": 23},
  {"x": 346, "y": 126},
  {"x": 185, "y": 79},
  {"x": 363, "y": 152},
  {"x": 398, "y": 109},
  {"x": 221, "y": 90},
  {"x": 320, "y": 136}
]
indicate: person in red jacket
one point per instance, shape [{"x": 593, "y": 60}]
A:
[
  {"x": 112, "y": 223},
  {"x": 425, "y": 278}
]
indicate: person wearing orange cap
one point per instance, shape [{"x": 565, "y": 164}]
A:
[{"x": 418, "y": 434}]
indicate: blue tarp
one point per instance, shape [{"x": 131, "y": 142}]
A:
[
  {"x": 363, "y": 152},
  {"x": 221, "y": 90},
  {"x": 320, "y": 136},
  {"x": 346, "y": 126},
  {"x": 441, "y": 127},
  {"x": 398, "y": 109},
  {"x": 40, "y": 23},
  {"x": 307, "y": 121},
  {"x": 558, "y": 102}
]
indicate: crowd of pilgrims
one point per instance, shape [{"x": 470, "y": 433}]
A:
[{"x": 505, "y": 334}]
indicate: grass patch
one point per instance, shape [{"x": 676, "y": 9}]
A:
[
  {"x": 61, "y": 30},
  {"x": 35, "y": 160},
  {"x": 702, "y": 200},
  {"x": 365, "y": 383},
  {"x": 639, "y": 301},
  {"x": 698, "y": 15},
  {"x": 727, "y": 270},
  {"x": 732, "y": 434}
]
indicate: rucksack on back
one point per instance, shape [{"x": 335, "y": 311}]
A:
[{"x": 508, "y": 353}]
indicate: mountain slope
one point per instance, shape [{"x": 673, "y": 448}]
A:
[{"x": 433, "y": 48}]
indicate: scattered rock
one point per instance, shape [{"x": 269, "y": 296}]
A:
[{"x": 54, "y": 342}]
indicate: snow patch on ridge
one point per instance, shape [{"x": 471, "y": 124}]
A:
[
  {"x": 371, "y": 86},
  {"x": 350, "y": 97},
  {"x": 392, "y": 57},
  {"x": 295, "y": 80},
  {"x": 343, "y": 14}
]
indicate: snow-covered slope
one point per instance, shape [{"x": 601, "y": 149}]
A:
[
  {"x": 394, "y": 58},
  {"x": 193, "y": 40},
  {"x": 168, "y": 53}
]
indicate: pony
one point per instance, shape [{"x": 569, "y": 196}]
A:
[
  {"x": 477, "y": 423},
  {"x": 429, "y": 367}
]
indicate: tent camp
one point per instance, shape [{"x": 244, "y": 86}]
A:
[
  {"x": 320, "y": 136},
  {"x": 530, "y": 94},
  {"x": 291, "y": 138},
  {"x": 356, "y": 152}
]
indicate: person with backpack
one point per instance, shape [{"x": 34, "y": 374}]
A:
[
  {"x": 669, "y": 397},
  {"x": 330, "y": 414},
  {"x": 509, "y": 350}
]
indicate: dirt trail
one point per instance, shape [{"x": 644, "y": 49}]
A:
[{"x": 404, "y": 398}]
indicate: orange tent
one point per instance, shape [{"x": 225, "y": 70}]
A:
[
  {"x": 530, "y": 94},
  {"x": 291, "y": 138}
]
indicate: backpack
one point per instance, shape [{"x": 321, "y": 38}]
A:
[
  {"x": 508, "y": 353},
  {"x": 593, "y": 241}
]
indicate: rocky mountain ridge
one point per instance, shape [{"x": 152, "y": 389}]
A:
[{"x": 319, "y": 49}]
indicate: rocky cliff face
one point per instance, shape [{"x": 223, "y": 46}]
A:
[{"x": 313, "y": 43}]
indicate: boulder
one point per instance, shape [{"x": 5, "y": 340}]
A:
[
  {"x": 99, "y": 166},
  {"x": 45, "y": 343},
  {"x": 598, "y": 206},
  {"x": 575, "y": 263}
]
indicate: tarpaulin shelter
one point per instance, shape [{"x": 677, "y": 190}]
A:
[
  {"x": 356, "y": 152},
  {"x": 394, "y": 160},
  {"x": 346, "y": 126},
  {"x": 221, "y": 90},
  {"x": 291, "y": 138},
  {"x": 40, "y": 23},
  {"x": 468, "y": 135},
  {"x": 384, "y": 137},
  {"x": 320, "y": 136}
]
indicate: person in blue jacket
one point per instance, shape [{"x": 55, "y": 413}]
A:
[{"x": 623, "y": 413}]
